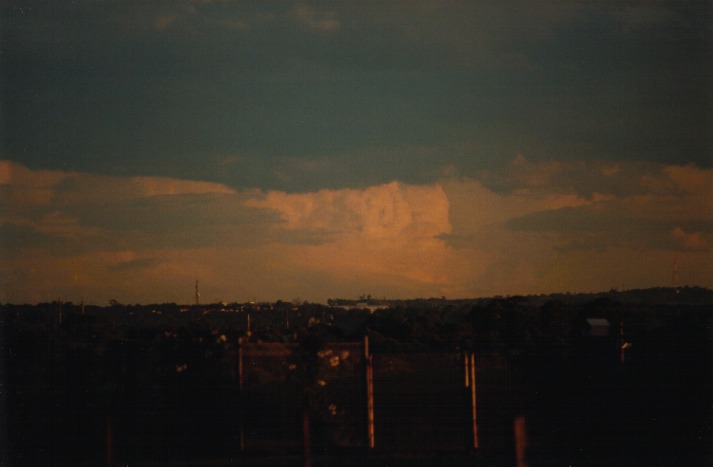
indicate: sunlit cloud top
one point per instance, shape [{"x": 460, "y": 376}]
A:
[{"x": 456, "y": 238}]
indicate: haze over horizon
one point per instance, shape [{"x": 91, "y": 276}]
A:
[{"x": 275, "y": 150}]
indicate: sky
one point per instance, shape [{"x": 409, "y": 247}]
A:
[{"x": 312, "y": 149}]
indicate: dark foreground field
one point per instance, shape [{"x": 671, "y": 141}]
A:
[{"x": 157, "y": 386}]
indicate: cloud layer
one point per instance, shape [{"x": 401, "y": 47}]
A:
[
  {"x": 307, "y": 95},
  {"x": 534, "y": 227}
]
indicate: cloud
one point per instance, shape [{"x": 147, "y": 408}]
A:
[
  {"x": 110, "y": 189},
  {"x": 566, "y": 223},
  {"x": 315, "y": 20},
  {"x": 634, "y": 198},
  {"x": 691, "y": 240},
  {"x": 386, "y": 234},
  {"x": 75, "y": 212},
  {"x": 22, "y": 186},
  {"x": 382, "y": 211},
  {"x": 25, "y": 187},
  {"x": 296, "y": 168},
  {"x": 130, "y": 238},
  {"x": 473, "y": 205},
  {"x": 165, "y": 21},
  {"x": 637, "y": 16},
  {"x": 457, "y": 34},
  {"x": 535, "y": 228},
  {"x": 236, "y": 24},
  {"x": 691, "y": 179},
  {"x": 128, "y": 261}
]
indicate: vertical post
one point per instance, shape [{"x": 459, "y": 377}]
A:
[
  {"x": 520, "y": 428},
  {"x": 242, "y": 394},
  {"x": 369, "y": 392},
  {"x": 474, "y": 402},
  {"x": 467, "y": 370}
]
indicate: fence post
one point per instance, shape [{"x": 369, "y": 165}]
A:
[
  {"x": 467, "y": 370},
  {"x": 474, "y": 402},
  {"x": 520, "y": 428},
  {"x": 369, "y": 392}
]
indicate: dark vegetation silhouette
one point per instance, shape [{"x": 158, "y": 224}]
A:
[{"x": 132, "y": 384}]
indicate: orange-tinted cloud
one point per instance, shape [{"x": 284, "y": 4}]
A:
[
  {"x": 692, "y": 240},
  {"x": 381, "y": 211},
  {"x": 386, "y": 236},
  {"x": 146, "y": 239}
]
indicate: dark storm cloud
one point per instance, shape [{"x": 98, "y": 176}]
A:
[
  {"x": 15, "y": 237},
  {"x": 169, "y": 88}
]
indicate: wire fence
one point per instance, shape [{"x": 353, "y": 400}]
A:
[{"x": 355, "y": 399}]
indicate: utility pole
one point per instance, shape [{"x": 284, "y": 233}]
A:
[{"x": 198, "y": 295}]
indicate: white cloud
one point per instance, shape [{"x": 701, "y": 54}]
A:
[{"x": 392, "y": 210}]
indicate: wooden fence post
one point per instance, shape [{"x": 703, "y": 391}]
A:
[
  {"x": 474, "y": 402},
  {"x": 369, "y": 393},
  {"x": 520, "y": 428}
]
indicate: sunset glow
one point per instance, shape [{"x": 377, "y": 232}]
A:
[
  {"x": 309, "y": 150},
  {"x": 146, "y": 239}
]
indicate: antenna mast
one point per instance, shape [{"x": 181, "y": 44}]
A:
[{"x": 674, "y": 278}]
